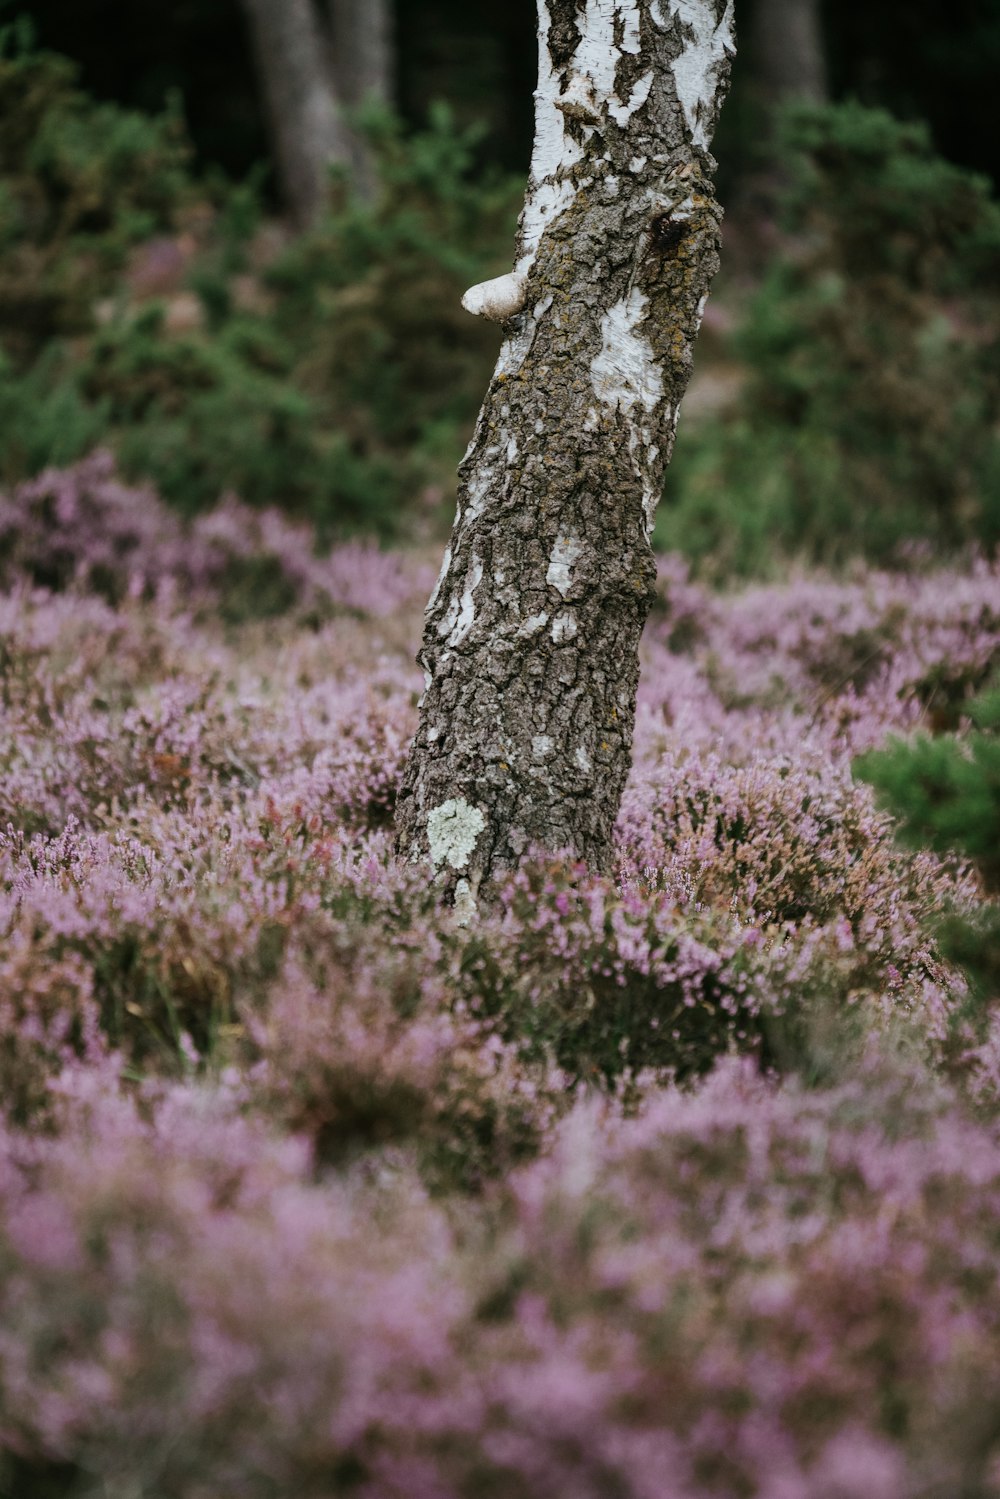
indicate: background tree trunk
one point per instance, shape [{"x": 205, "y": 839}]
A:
[
  {"x": 363, "y": 60},
  {"x": 293, "y": 60},
  {"x": 787, "y": 51},
  {"x": 363, "y": 50},
  {"x": 530, "y": 648}
]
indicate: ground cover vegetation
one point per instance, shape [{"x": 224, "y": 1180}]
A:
[{"x": 683, "y": 1181}]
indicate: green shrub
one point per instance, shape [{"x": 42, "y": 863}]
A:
[
  {"x": 869, "y": 412},
  {"x": 336, "y": 376},
  {"x": 45, "y": 417},
  {"x": 352, "y": 382},
  {"x": 946, "y": 792},
  {"x": 201, "y": 415},
  {"x": 80, "y": 183},
  {"x": 370, "y": 304}
]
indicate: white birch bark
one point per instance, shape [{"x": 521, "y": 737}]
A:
[{"x": 530, "y": 648}]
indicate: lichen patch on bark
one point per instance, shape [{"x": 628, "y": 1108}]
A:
[{"x": 452, "y": 830}]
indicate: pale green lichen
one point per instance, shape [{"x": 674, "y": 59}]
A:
[{"x": 452, "y": 830}]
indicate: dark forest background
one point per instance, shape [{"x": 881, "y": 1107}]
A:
[{"x": 919, "y": 59}]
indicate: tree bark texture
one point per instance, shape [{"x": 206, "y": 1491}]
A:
[
  {"x": 530, "y": 647},
  {"x": 293, "y": 60}
]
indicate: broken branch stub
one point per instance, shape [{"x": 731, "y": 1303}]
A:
[{"x": 530, "y": 647}]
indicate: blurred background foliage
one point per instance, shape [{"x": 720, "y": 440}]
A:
[
  {"x": 945, "y": 791},
  {"x": 155, "y": 308},
  {"x": 154, "y": 299},
  {"x": 868, "y": 409}
]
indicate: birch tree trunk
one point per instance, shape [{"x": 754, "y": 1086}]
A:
[
  {"x": 531, "y": 640},
  {"x": 293, "y": 60}
]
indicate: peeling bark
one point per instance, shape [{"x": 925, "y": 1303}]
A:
[{"x": 531, "y": 639}]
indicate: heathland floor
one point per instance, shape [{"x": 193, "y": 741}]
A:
[{"x": 675, "y": 1183}]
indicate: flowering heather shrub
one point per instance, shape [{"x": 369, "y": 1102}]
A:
[
  {"x": 189, "y": 1315},
  {"x": 105, "y": 707},
  {"x": 175, "y": 795},
  {"x": 240, "y": 1042},
  {"x": 840, "y": 662},
  {"x": 83, "y": 526},
  {"x": 48, "y": 1019},
  {"x": 749, "y": 1290},
  {"x": 947, "y": 792},
  {"x": 744, "y": 1290},
  {"x": 273, "y": 943},
  {"x": 364, "y": 1054},
  {"x": 615, "y": 981}
]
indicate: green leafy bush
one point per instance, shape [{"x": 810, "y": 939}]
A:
[
  {"x": 353, "y": 382},
  {"x": 80, "y": 183},
  {"x": 45, "y": 417},
  {"x": 335, "y": 375},
  {"x": 946, "y": 792},
  {"x": 869, "y": 414}
]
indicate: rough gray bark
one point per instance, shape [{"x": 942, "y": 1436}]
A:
[
  {"x": 787, "y": 49},
  {"x": 531, "y": 639},
  {"x": 293, "y": 60}
]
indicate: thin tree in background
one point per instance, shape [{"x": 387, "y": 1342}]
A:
[
  {"x": 362, "y": 50},
  {"x": 316, "y": 67},
  {"x": 363, "y": 64},
  {"x": 786, "y": 47},
  {"x": 530, "y": 647}
]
